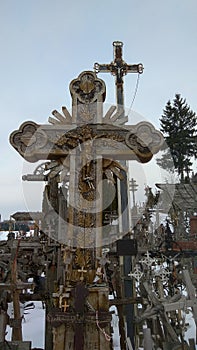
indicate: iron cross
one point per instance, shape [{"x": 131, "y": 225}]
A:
[{"x": 118, "y": 67}]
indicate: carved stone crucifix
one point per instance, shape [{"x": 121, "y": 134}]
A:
[
  {"x": 65, "y": 143},
  {"x": 84, "y": 148}
]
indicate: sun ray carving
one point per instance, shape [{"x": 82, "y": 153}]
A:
[
  {"x": 114, "y": 116},
  {"x": 64, "y": 118}
]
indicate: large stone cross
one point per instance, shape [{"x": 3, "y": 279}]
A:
[{"x": 84, "y": 147}]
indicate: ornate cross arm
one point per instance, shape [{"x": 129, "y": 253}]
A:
[{"x": 35, "y": 142}]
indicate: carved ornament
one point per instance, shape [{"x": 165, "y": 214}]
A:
[
  {"x": 35, "y": 142},
  {"x": 87, "y": 88}
]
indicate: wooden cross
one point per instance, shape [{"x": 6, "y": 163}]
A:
[
  {"x": 118, "y": 68},
  {"x": 158, "y": 309},
  {"x": 15, "y": 287},
  {"x": 60, "y": 296},
  {"x": 80, "y": 294},
  {"x": 176, "y": 302},
  {"x": 183, "y": 302},
  {"x": 82, "y": 271},
  {"x": 65, "y": 306}
]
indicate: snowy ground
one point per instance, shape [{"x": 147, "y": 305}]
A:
[{"x": 34, "y": 325}]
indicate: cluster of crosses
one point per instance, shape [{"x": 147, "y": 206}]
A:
[{"x": 86, "y": 153}]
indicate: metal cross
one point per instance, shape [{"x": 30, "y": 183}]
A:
[
  {"x": 136, "y": 273},
  {"x": 118, "y": 67},
  {"x": 147, "y": 260}
]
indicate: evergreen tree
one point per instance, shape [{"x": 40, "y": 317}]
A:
[{"x": 179, "y": 127}]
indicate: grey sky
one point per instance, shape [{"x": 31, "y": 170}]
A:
[{"x": 46, "y": 43}]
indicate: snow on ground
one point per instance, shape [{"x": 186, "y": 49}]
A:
[
  {"x": 34, "y": 322},
  {"x": 3, "y": 235},
  {"x": 33, "y": 325}
]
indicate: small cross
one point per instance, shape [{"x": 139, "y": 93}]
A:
[
  {"x": 82, "y": 271},
  {"x": 65, "y": 306},
  {"x": 60, "y": 296},
  {"x": 118, "y": 68},
  {"x": 147, "y": 260},
  {"x": 136, "y": 273}
]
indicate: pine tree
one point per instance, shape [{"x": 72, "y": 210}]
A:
[{"x": 179, "y": 127}]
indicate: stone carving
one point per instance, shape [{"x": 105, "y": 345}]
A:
[
  {"x": 36, "y": 142},
  {"x": 87, "y": 88},
  {"x": 28, "y": 138},
  {"x": 144, "y": 140},
  {"x": 60, "y": 119}
]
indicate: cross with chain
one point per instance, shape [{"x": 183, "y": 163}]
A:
[{"x": 118, "y": 67}]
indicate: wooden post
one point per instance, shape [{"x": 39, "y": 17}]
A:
[
  {"x": 17, "y": 326},
  {"x": 192, "y": 295},
  {"x": 129, "y": 344},
  {"x": 3, "y": 324},
  {"x": 192, "y": 344}
]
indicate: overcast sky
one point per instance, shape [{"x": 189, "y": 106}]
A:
[{"x": 46, "y": 43}]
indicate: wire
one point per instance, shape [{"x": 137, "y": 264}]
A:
[
  {"x": 135, "y": 92},
  {"x": 107, "y": 336}
]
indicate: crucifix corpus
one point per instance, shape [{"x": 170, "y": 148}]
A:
[{"x": 86, "y": 153}]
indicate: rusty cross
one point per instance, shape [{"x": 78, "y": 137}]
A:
[{"x": 118, "y": 67}]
